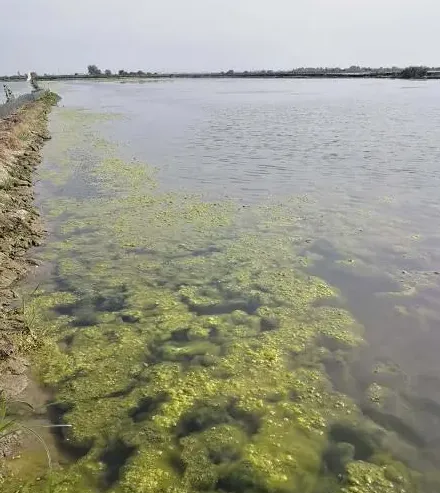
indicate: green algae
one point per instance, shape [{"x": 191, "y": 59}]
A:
[
  {"x": 365, "y": 478},
  {"x": 179, "y": 336}
]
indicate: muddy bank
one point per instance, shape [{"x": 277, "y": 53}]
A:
[{"x": 22, "y": 136}]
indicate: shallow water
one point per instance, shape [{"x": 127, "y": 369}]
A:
[
  {"x": 17, "y": 88},
  {"x": 264, "y": 290}
]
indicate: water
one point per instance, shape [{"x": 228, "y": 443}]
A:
[
  {"x": 181, "y": 295},
  {"x": 17, "y": 88},
  {"x": 363, "y": 154}
]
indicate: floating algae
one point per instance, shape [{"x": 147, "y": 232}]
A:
[{"x": 187, "y": 352}]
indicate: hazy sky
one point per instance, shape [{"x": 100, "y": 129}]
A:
[{"x": 183, "y": 35}]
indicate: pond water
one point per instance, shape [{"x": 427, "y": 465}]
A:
[
  {"x": 17, "y": 88},
  {"x": 242, "y": 291}
]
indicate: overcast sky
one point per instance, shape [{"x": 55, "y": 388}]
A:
[{"x": 183, "y": 35}]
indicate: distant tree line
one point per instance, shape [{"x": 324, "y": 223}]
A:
[
  {"x": 94, "y": 71},
  {"x": 414, "y": 72},
  {"x": 355, "y": 71}
]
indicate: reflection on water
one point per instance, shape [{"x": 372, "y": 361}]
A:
[{"x": 257, "y": 309}]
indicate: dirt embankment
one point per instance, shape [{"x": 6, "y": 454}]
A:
[{"x": 22, "y": 136}]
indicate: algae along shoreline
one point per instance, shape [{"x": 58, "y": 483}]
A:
[{"x": 186, "y": 347}]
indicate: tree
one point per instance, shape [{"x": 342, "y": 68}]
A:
[
  {"x": 108, "y": 72},
  {"x": 93, "y": 70},
  {"x": 414, "y": 73},
  {"x": 122, "y": 72}
]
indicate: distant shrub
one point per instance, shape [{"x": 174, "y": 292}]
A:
[
  {"x": 93, "y": 70},
  {"x": 414, "y": 73}
]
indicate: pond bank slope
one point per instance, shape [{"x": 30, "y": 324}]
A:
[{"x": 22, "y": 136}]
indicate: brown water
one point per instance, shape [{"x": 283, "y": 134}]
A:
[{"x": 351, "y": 167}]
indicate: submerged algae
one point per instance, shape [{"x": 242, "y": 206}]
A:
[{"x": 192, "y": 345}]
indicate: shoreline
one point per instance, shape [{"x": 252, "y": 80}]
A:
[
  {"x": 236, "y": 75},
  {"x": 22, "y": 136}
]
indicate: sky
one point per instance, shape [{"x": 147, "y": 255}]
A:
[{"x": 64, "y": 36}]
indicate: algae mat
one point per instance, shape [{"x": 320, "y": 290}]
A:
[{"x": 185, "y": 344}]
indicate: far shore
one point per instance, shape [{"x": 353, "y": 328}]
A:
[{"x": 326, "y": 74}]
